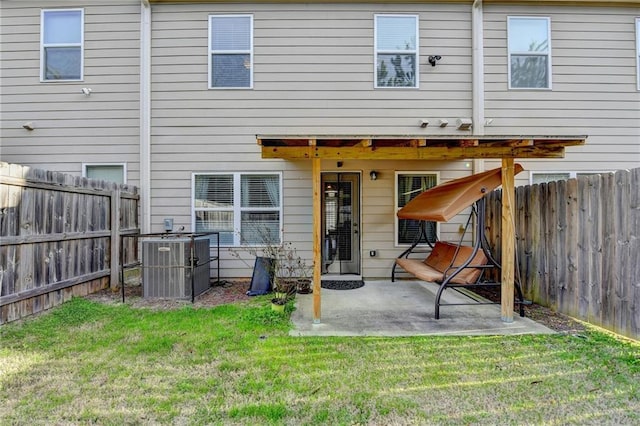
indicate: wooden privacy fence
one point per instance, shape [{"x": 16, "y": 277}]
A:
[
  {"x": 59, "y": 237},
  {"x": 578, "y": 248}
]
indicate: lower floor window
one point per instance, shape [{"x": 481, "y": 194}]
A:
[
  {"x": 245, "y": 208},
  {"x": 408, "y": 186},
  {"x": 110, "y": 172},
  {"x": 545, "y": 177}
]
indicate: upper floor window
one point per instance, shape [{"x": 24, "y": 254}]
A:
[
  {"x": 529, "y": 41},
  {"x": 396, "y": 50},
  {"x": 110, "y": 172},
  {"x": 408, "y": 186},
  {"x": 231, "y": 51},
  {"x": 245, "y": 208},
  {"x": 61, "y": 44},
  {"x": 638, "y": 50}
]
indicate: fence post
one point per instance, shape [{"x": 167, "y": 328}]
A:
[{"x": 115, "y": 238}]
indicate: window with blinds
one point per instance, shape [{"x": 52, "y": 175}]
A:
[
  {"x": 246, "y": 208},
  {"x": 409, "y": 186},
  {"x": 231, "y": 51},
  {"x": 396, "y": 51}
]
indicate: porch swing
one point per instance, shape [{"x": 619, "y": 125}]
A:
[{"x": 454, "y": 265}]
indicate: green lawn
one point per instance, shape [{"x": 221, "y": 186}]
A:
[{"x": 87, "y": 362}]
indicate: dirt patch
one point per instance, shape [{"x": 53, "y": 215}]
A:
[
  {"x": 540, "y": 314},
  {"x": 219, "y": 294}
]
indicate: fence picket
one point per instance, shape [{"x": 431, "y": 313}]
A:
[
  {"x": 584, "y": 223},
  {"x": 571, "y": 248},
  {"x": 621, "y": 302},
  {"x": 596, "y": 250}
]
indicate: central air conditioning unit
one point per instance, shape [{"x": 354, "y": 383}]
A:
[{"x": 167, "y": 268}]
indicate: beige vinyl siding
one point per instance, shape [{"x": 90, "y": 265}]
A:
[
  {"x": 71, "y": 128},
  {"x": 594, "y": 86},
  {"x": 313, "y": 74}
]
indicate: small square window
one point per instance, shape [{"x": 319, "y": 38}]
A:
[
  {"x": 61, "y": 44},
  {"x": 546, "y": 177},
  {"x": 109, "y": 172},
  {"x": 231, "y": 51},
  {"x": 529, "y": 41},
  {"x": 537, "y": 178},
  {"x": 396, "y": 51}
]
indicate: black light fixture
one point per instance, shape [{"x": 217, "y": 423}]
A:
[
  {"x": 373, "y": 175},
  {"x": 433, "y": 59}
]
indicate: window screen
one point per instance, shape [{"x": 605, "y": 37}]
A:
[
  {"x": 529, "y": 53},
  {"x": 396, "y": 51},
  {"x": 61, "y": 44},
  {"x": 231, "y": 51}
]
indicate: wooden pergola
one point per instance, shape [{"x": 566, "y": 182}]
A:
[{"x": 449, "y": 147}]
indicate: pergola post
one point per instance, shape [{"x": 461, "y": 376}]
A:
[
  {"x": 317, "y": 240},
  {"x": 507, "y": 238}
]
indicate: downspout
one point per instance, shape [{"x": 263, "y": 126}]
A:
[
  {"x": 145, "y": 116},
  {"x": 477, "y": 59}
]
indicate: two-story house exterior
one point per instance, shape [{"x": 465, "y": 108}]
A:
[{"x": 174, "y": 96}]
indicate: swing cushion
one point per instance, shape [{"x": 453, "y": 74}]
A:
[{"x": 434, "y": 267}]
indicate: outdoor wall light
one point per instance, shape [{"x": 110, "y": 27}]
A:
[
  {"x": 86, "y": 91},
  {"x": 373, "y": 175},
  {"x": 433, "y": 59},
  {"x": 443, "y": 122},
  {"x": 424, "y": 123},
  {"x": 29, "y": 125},
  {"x": 330, "y": 191}
]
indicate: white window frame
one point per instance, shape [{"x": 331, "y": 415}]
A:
[
  {"x": 572, "y": 174},
  {"x": 548, "y": 53},
  {"x": 237, "y": 208},
  {"x": 43, "y": 64},
  {"x": 123, "y": 165},
  {"x": 638, "y": 52},
  {"x": 376, "y": 51},
  {"x": 396, "y": 221},
  {"x": 213, "y": 52}
]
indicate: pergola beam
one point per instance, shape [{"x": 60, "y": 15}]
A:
[{"x": 411, "y": 152}]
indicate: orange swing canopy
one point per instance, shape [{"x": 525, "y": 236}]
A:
[{"x": 444, "y": 201}]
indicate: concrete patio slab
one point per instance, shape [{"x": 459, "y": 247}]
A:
[{"x": 402, "y": 308}]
